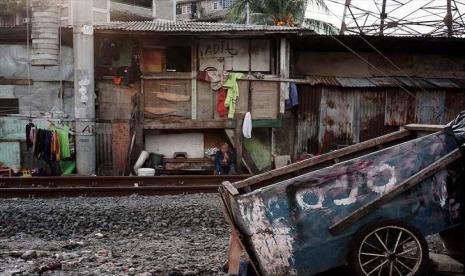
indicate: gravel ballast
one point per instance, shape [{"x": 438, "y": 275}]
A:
[{"x": 169, "y": 235}]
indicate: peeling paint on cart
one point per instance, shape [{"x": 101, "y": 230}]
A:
[{"x": 287, "y": 224}]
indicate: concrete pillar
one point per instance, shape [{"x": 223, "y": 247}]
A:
[
  {"x": 164, "y": 9},
  {"x": 84, "y": 94}
]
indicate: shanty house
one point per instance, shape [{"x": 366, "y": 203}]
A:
[
  {"x": 354, "y": 88},
  {"x": 175, "y": 108}
]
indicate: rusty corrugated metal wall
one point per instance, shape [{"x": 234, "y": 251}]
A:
[
  {"x": 104, "y": 150},
  {"x": 308, "y": 118},
  {"x": 331, "y": 117}
]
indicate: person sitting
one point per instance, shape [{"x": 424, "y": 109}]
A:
[{"x": 225, "y": 161}]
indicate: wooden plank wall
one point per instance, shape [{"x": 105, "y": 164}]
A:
[
  {"x": 121, "y": 141},
  {"x": 166, "y": 99}
]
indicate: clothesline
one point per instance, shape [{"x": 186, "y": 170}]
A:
[
  {"x": 67, "y": 129},
  {"x": 49, "y": 145}
]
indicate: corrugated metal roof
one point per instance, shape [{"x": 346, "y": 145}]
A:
[
  {"x": 325, "y": 81},
  {"x": 165, "y": 26},
  {"x": 355, "y": 82},
  {"x": 409, "y": 82},
  {"x": 445, "y": 83},
  {"x": 385, "y": 82},
  {"x": 459, "y": 82}
]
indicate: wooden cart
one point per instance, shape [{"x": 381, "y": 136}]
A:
[{"x": 369, "y": 205}]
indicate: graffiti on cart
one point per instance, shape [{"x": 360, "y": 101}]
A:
[{"x": 344, "y": 189}]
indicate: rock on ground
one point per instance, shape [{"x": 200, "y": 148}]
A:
[
  {"x": 169, "y": 235},
  {"x": 177, "y": 235}
]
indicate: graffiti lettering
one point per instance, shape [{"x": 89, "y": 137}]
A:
[
  {"x": 317, "y": 197},
  {"x": 83, "y": 90},
  {"x": 88, "y": 129},
  {"x": 222, "y": 48},
  {"x": 385, "y": 168}
]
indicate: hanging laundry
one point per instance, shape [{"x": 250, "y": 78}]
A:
[
  {"x": 67, "y": 167},
  {"x": 72, "y": 145},
  {"x": 29, "y": 141},
  {"x": 32, "y": 137},
  {"x": 233, "y": 93},
  {"x": 63, "y": 140},
  {"x": 39, "y": 144},
  {"x": 47, "y": 150},
  {"x": 216, "y": 78},
  {"x": 56, "y": 155},
  {"x": 293, "y": 99},
  {"x": 247, "y": 126},
  {"x": 221, "y": 98}
]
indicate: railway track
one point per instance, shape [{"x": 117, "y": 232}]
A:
[{"x": 103, "y": 186}]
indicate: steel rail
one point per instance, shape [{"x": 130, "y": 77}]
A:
[{"x": 49, "y": 187}]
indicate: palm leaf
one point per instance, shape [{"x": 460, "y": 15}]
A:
[{"x": 273, "y": 12}]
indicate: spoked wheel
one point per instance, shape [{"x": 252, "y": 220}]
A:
[{"x": 390, "y": 248}]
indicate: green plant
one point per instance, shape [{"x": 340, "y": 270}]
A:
[{"x": 279, "y": 12}]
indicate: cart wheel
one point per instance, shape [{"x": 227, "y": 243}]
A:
[{"x": 389, "y": 248}]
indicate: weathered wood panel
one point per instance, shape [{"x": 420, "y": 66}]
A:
[
  {"x": 224, "y": 54},
  {"x": 121, "y": 141},
  {"x": 265, "y": 99},
  {"x": 206, "y": 101},
  {"x": 260, "y": 55},
  {"x": 153, "y": 60},
  {"x": 168, "y": 98},
  {"x": 242, "y": 105},
  {"x": 115, "y": 102}
]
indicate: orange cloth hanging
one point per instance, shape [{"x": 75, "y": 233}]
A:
[{"x": 55, "y": 145}]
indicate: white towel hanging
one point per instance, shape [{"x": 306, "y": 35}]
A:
[{"x": 247, "y": 126}]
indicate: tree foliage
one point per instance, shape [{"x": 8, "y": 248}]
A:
[{"x": 279, "y": 12}]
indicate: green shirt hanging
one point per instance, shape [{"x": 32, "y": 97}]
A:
[{"x": 233, "y": 93}]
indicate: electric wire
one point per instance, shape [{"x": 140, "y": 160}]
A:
[{"x": 28, "y": 52}]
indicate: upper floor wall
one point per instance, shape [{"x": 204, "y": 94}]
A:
[{"x": 201, "y": 9}]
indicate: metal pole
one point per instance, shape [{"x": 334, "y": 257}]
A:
[
  {"x": 448, "y": 20},
  {"x": 344, "y": 16},
  {"x": 175, "y": 3},
  {"x": 84, "y": 92},
  {"x": 383, "y": 16},
  {"x": 247, "y": 13}
]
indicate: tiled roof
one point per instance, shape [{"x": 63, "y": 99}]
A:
[{"x": 164, "y": 26}]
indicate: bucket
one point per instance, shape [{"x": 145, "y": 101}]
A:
[{"x": 146, "y": 172}]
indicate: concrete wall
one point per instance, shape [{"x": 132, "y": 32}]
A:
[
  {"x": 165, "y": 9},
  {"x": 101, "y": 12},
  {"x": 13, "y": 65},
  {"x": 50, "y": 95}
]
